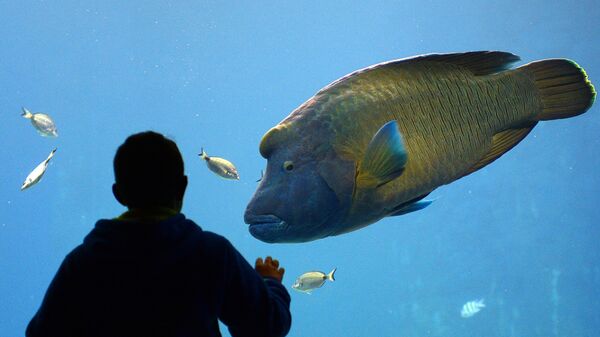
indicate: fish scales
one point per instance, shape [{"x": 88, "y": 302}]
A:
[
  {"x": 475, "y": 123},
  {"x": 461, "y": 113},
  {"x": 472, "y": 129},
  {"x": 468, "y": 133},
  {"x": 429, "y": 112}
]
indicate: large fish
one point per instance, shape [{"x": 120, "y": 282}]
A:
[{"x": 374, "y": 143}]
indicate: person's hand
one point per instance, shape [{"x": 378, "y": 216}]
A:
[{"x": 269, "y": 268}]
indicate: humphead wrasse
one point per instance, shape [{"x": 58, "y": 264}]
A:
[{"x": 374, "y": 143}]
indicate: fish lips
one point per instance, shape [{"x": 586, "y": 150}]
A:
[{"x": 268, "y": 228}]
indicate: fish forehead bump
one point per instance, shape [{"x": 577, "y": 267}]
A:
[{"x": 275, "y": 136}]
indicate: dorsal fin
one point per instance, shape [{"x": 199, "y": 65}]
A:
[
  {"x": 501, "y": 143},
  {"x": 479, "y": 62}
]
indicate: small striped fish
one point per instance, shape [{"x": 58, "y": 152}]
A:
[{"x": 471, "y": 308}]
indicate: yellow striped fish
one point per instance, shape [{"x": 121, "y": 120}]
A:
[{"x": 377, "y": 141}]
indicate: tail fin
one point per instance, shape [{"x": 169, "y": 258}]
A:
[
  {"x": 26, "y": 113},
  {"x": 564, "y": 88},
  {"x": 203, "y": 154},
  {"x": 50, "y": 155},
  {"x": 330, "y": 275}
]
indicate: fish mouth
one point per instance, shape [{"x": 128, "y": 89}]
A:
[{"x": 267, "y": 227}]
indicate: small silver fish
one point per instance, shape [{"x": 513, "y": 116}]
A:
[
  {"x": 312, "y": 280},
  {"x": 471, "y": 308},
  {"x": 222, "y": 167},
  {"x": 42, "y": 122},
  {"x": 37, "y": 173}
]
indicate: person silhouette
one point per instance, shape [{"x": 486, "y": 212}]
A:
[{"x": 153, "y": 272}]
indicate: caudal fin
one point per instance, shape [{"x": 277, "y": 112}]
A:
[
  {"x": 564, "y": 88},
  {"x": 51, "y": 155},
  {"x": 26, "y": 113},
  {"x": 203, "y": 154},
  {"x": 330, "y": 275}
]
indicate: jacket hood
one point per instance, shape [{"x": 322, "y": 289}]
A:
[{"x": 122, "y": 238}]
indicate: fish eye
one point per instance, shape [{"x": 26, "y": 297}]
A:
[{"x": 288, "y": 165}]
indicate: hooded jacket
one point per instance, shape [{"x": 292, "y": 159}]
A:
[{"x": 167, "y": 278}]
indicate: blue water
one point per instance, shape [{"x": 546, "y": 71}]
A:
[{"x": 522, "y": 233}]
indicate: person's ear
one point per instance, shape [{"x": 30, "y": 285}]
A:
[{"x": 118, "y": 194}]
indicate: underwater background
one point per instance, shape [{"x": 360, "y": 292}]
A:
[{"x": 521, "y": 233}]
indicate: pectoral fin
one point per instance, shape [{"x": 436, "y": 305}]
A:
[{"x": 384, "y": 159}]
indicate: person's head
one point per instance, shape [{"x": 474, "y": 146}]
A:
[{"x": 149, "y": 172}]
